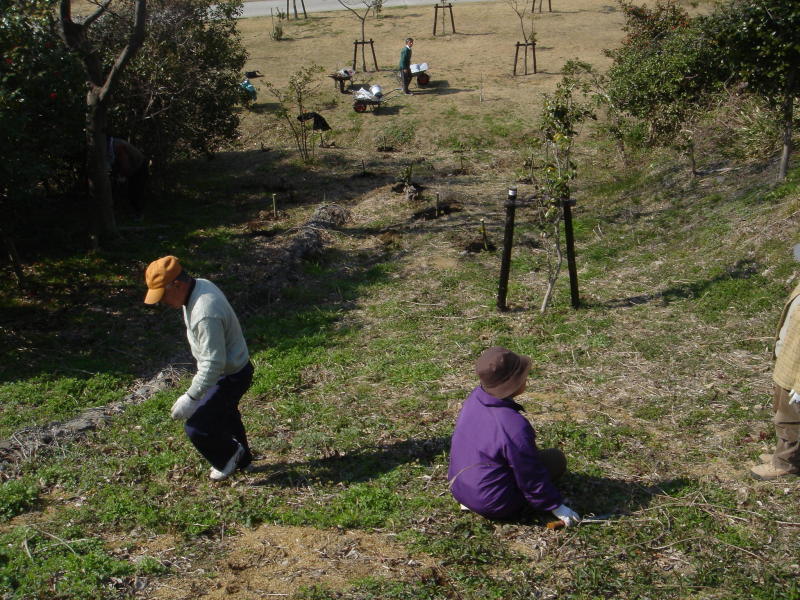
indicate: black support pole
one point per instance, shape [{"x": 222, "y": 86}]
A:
[
  {"x": 567, "y": 204},
  {"x": 508, "y": 241}
]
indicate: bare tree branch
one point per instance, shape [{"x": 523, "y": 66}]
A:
[
  {"x": 131, "y": 48},
  {"x": 96, "y": 14}
]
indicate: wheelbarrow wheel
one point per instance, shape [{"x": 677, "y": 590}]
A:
[
  {"x": 423, "y": 79},
  {"x": 360, "y": 107}
]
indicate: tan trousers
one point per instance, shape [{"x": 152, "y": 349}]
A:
[{"x": 787, "y": 430}]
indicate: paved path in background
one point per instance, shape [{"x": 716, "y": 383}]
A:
[{"x": 261, "y": 8}]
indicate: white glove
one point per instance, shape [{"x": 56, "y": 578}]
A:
[
  {"x": 794, "y": 397},
  {"x": 568, "y": 516},
  {"x": 184, "y": 408}
]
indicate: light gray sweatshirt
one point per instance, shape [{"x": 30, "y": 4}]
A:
[{"x": 215, "y": 337}]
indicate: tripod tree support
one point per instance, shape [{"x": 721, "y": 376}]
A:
[
  {"x": 356, "y": 44},
  {"x": 525, "y": 45},
  {"x": 444, "y": 7}
]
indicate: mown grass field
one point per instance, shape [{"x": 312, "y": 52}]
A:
[{"x": 657, "y": 389}]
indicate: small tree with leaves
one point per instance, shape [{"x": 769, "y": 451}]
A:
[
  {"x": 562, "y": 113},
  {"x": 292, "y": 103}
]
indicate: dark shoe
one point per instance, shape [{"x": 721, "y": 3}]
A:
[
  {"x": 245, "y": 461},
  {"x": 767, "y": 472}
]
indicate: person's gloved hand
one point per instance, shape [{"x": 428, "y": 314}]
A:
[
  {"x": 794, "y": 397},
  {"x": 184, "y": 408},
  {"x": 568, "y": 516}
]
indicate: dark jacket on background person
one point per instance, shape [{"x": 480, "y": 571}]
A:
[{"x": 405, "y": 58}]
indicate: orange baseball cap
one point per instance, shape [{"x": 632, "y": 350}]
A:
[{"x": 159, "y": 274}]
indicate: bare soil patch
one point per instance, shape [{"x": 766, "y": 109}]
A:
[{"x": 275, "y": 560}]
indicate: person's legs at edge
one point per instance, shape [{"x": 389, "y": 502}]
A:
[{"x": 787, "y": 431}]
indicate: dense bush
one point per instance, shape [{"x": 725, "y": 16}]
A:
[
  {"x": 759, "y": 42},
  {"x": 41, "y": 115},
  {"x": 661, "y": 72},
  {"x": 179, "y": 93}
]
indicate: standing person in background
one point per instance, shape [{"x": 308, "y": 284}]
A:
[
  {"x": 405, "y": 64},
  {"x": 128, "y": 166},
  {"x": 496, "y": 470},
  {"x": 210, "y": 406},
  {"x": 785, "y": 394}
]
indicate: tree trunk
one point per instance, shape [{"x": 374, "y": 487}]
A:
[
  {"x": 13, "y": 257},
  {"x": 364, "y": 39},
  {"x": 104, "y": 223},
  {"x": 101, "y": 82},
  {"x": 788, "y": 114},
  {"x": 552, "y": 277}
]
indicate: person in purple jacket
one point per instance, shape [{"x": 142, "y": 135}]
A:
[{"x": 496, "y": 470}]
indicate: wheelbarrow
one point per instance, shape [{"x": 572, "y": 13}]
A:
[
  {"x": 364, "y": 98},
  {"x": 341, "y": 76},
  {"x": 420, "y": 71}
]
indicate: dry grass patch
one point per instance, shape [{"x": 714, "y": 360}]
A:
[{"x": 277, "y": 561}]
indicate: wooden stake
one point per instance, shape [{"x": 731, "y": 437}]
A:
[
  {"x": 567, "y": 203},
  {"x": 508, "y": 240}
]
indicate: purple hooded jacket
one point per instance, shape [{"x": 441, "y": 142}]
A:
[{"x": 494, "y": 465}]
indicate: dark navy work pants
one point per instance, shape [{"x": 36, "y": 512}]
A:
[{"x": 216, "y": 427}]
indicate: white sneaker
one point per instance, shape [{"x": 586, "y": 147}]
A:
[{"x": 230, "y": 467}]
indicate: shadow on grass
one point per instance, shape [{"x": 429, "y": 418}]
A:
[
  {"x": 263, "y": 107},
  {"x": 742, "y": 269},
  {"x": 605, "y": 496},
  {"x": 358, "y": 466}
]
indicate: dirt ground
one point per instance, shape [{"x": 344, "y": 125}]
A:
[
  {"x": 484, "y": 45},
  {"x": 471, "y": 71},
  {"x": 274, "y": 561}
]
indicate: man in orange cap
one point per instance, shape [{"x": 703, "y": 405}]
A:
[{"x": 210, "y": 406}]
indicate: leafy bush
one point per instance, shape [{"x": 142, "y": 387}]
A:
[
  {"x": 660, "y": 73},
  {"x": 178, "y": 95},
  {"x": 41, "y": 118},
  {"x": 758, "y": 41}
]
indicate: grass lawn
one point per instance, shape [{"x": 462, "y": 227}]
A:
[{"x": 657, "y": 389}]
